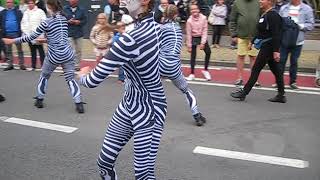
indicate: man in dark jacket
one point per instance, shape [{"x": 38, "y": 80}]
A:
[
  {"x": 77, "y": 18},
  {"x": 10, "y": 19}
]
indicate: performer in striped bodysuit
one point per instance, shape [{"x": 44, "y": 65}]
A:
[
  {"x": 170, "y": 64},
  {"x": 60, "y": 52},
  {"x": 142, "y": 110}
]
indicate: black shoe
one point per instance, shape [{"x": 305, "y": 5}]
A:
[
  {"x": 240, "y": 94},
  {"x": 2, "y": 98},
  {"x": 279, "y": 99},
  {"x": 23, "y": 67},
  {"x": 79, "y": 107},
  {"x": 8, "y": 68},
  {"x": 77, "y": 69},
  {"x": 38, "y": 103},
  {"x": 200, "y": 120}
]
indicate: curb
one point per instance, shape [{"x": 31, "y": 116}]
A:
[{"x": 233, "y": 64}]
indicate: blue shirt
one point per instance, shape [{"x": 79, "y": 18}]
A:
[{"x": 11, "y": 22}]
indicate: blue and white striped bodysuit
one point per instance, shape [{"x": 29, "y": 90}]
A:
[
  {"x": 60, "y": 52},
  {"x": 142, "y": 110}
]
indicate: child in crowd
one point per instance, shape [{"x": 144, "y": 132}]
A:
[
  {"x": 197, "y": 35},
  {"x": 101, "y": 39}
]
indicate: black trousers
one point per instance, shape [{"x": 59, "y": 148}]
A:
[
  {"x": 196, "y": 41},
  {"x": 217, "y": 30},
  {"x": 33, "y": 49},
  {"x": 265, "y": 56}
]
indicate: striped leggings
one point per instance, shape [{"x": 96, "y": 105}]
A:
[
  {"x": 68, "y": 72},
  {"x": 146, "y": 142}
]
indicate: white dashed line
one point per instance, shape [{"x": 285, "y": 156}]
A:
[
  {"x": 42, "y": 125},
  {"x": 252, "y": 157}
]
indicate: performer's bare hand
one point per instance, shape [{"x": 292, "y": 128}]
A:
[
  {"x": 84, "y": 71},
  {"x": 276, "y": 56},
  {"x": 7, "y": 41},
  {"x": 189, "y": 50}
]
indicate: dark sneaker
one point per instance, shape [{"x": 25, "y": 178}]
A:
[
  {"x": 279, "y": 99},
  {"x": 2, "y": 98},
  {"x": 8, "y": 68},
  {"x": 199, "y": 119},
  {"x": 239, "y": 93},
  {"x": 238, "y": 82},
  {"x": 77, "y": 69},
  {"x": 79, "y": 107},
  {"x": 38, "y": 103},
  {"x": 23, "y": 67},
  {"x": 294, "y": 86}
]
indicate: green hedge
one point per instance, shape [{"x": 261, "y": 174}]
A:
[{"x": 3, "y": 2}]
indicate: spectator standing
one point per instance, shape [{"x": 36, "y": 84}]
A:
[
  {"x": 10, "y": 24},
  {"x": 219, "y": 13},
  {"x": 197, "y": 34},
  {"x": 77, "y": 18},
  {"x": 269, "y": 39},
  {"x": 31, "y": 19},
  {"x": 302, "y": 14},
  {"x": 101, "y": 39},
  {"x": 243, "y": 19}
]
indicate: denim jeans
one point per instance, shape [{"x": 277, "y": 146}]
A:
[{"x": 294, "y": 56}]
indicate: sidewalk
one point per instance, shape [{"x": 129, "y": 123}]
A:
[
  {"x": 222, "y": 65},
  {"x": 223, "y": 56}
]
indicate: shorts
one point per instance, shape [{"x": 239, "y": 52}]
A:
[
  {"x": 100, "y": 52},
  {"x": 243, "y": 49}
]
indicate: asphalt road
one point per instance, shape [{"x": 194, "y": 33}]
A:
[{"x": 257, "y": 126}]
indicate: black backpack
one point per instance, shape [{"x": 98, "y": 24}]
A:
[{"x": 290, "y": 32}]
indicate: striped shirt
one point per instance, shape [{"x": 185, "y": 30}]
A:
[
  {"x": 56, "y": 30},
  {"x": 101, "y": 39}
]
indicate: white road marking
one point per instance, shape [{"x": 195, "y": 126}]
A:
[
  {"x": 252, "y": 157},
  {"x": 42, "y": 125}
]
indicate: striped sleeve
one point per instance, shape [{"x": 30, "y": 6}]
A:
[
  {"x": 123, "y": 50},
  {"x": 28, "y": 38}
]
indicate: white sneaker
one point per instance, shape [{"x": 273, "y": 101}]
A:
[
  {"x": 274, "y": 85},
  {"x": 207, "y": 75},
  {"x": 190, "y": 77}
]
